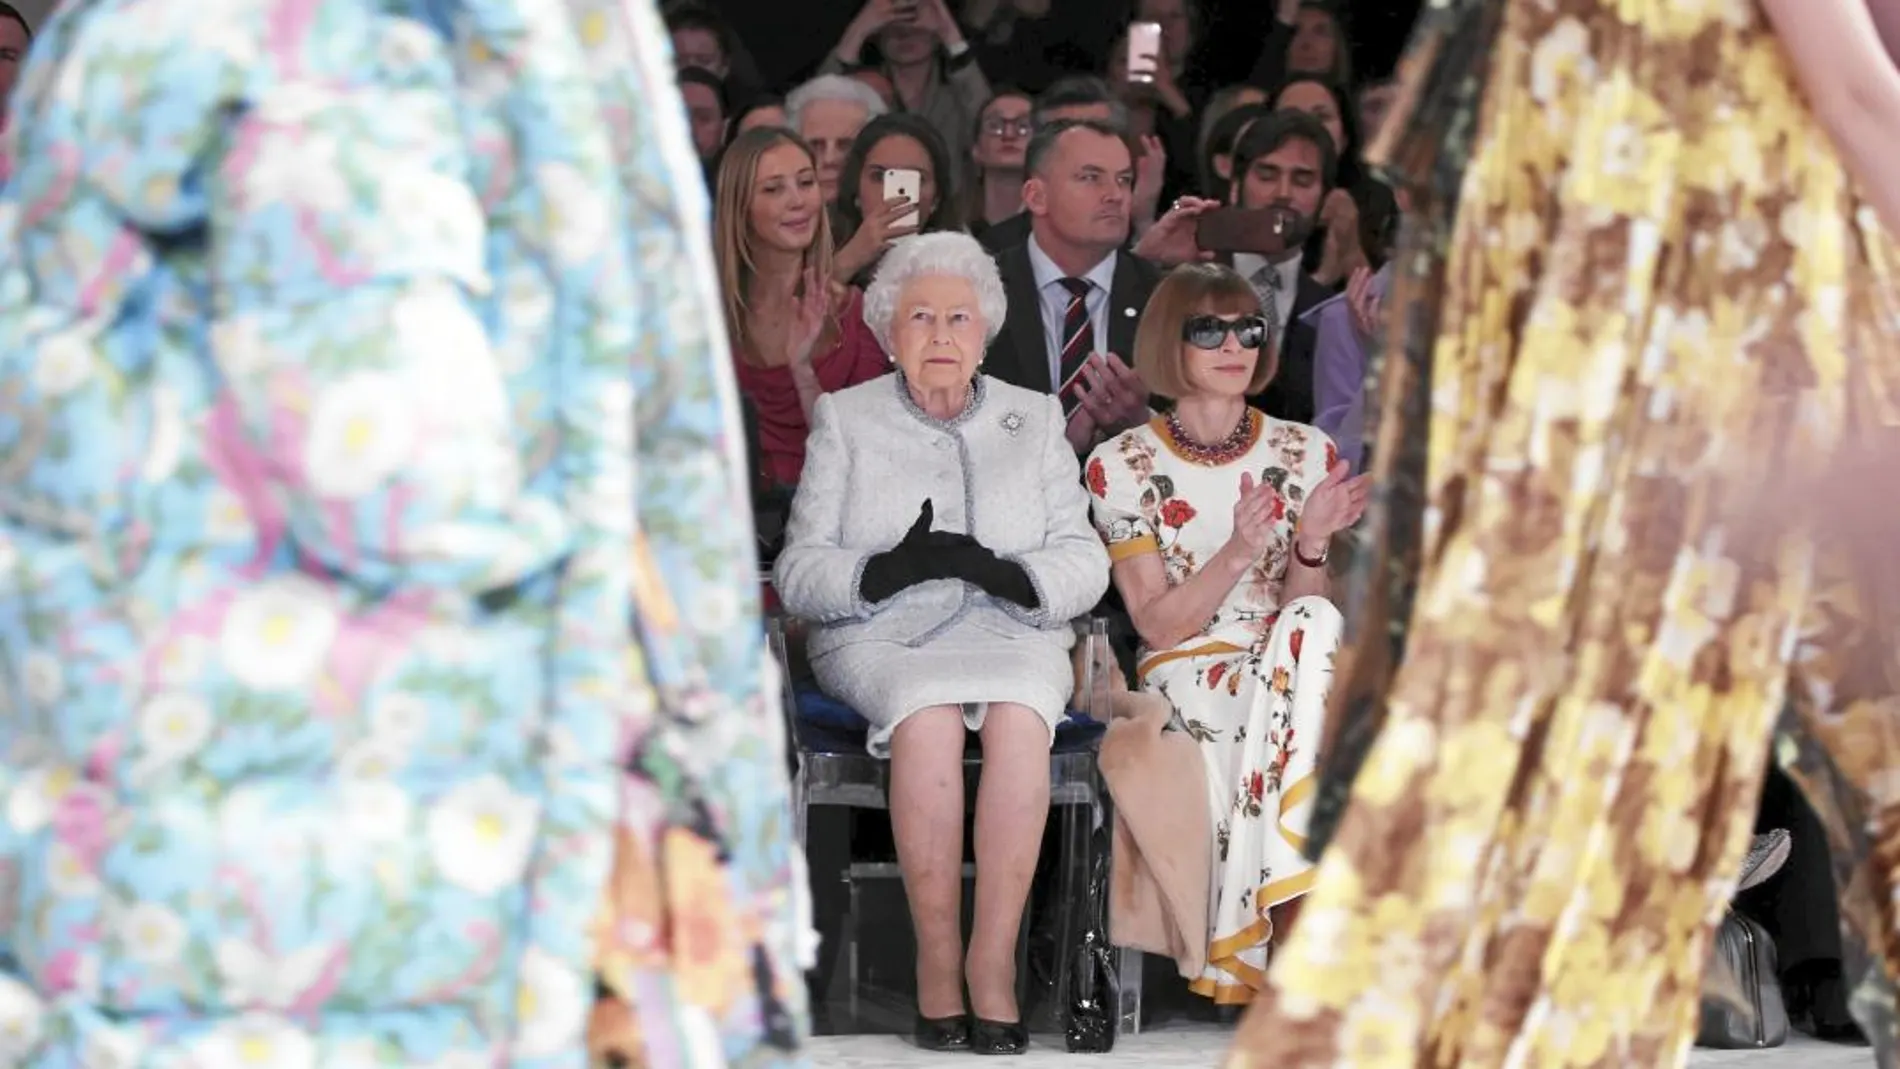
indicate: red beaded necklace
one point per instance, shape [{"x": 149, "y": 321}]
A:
[{"x": 1225, "y": 451}]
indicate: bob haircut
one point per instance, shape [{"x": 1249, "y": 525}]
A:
[
  {"x": 944, "y": 252},
  {"x": 1191, "y": 290}
]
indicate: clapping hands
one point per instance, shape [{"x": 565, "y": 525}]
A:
[
  {"x": 810, "y": 310},
  {"x": 1333, "y": 506},
  {"x": 1112, "y": 399},
  {"x": 1259, "y": 508}
]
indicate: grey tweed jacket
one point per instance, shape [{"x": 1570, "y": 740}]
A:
[{"x": 1001, "y": 472}]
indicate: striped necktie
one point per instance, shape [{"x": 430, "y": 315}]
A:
[
  {"x": 1078, "y": 341},
  {"x": 1266, "y": 283}
]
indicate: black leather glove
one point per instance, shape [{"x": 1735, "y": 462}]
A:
[
  {"x": 924, "y": 555},
  {"x": 911, "y": 561},
  {"x": 999, "y": 578}
]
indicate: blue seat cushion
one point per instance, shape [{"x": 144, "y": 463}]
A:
[{"x": 827, "y": 725}]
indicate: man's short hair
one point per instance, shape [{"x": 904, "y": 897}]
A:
[
  {"x": 1080, "y": 90},
  {"x": 838, "y": 87},
  {"x": 1042, "y": 143},
  {"x": 8, "y": 11},
  {"x": 701, "y": 76},
  {"x": 1265, "y": 136}
]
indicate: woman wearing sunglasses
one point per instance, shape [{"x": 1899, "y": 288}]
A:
[{"x": 1218, "y": 520}]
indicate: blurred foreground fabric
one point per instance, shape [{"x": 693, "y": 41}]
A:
[{"x": 380, "y": 664}]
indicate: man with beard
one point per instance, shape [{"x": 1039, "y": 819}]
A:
[{"x": 1285, "y": 162}]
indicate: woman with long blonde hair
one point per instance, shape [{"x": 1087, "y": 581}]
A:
[{"x": 795, "y": 336}]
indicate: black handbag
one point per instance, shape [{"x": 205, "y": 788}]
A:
[{"x": 1741, "y": 995}]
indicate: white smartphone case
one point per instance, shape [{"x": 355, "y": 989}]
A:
[{"x": 904, "y": 182}]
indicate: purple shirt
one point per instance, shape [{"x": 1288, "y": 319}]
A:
[{"x": 1339, "y": 372}]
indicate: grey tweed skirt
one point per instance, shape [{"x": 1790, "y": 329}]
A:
[{"x": 965, "y": 666}]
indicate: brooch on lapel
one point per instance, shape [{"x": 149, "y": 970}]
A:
[{"x": 1012, "y": 423}]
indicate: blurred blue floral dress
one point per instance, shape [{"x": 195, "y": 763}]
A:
[{"x": 380, "y": 674}]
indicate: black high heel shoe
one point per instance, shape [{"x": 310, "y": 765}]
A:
[
  {"x": 942, "y": 1033},
  {"x": 998, "y": 1037}
]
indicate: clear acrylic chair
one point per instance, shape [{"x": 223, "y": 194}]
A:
[{"x": 834, "y": 769}]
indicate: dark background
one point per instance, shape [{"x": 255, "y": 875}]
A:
[{"x": 788, "y": 38}]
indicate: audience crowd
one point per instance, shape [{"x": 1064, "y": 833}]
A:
[
  {"x": 1183, "y": 253},
  {"x": 1020, "y": 342}
]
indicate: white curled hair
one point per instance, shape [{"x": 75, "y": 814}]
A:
[
  {"x": 944, "y": 252},
  {"x": 832, "y": 87}
]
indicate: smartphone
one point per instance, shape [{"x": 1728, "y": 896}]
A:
[
  {"x": 1261, "y": 231},
  {"x": 908, "y": 183},
  {"x": 1144, "y": 51}
]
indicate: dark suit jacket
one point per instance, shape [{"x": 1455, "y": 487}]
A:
[
  {"x": 998, "y": 238},
  {"x": 1290, "y": 395},
  {"x": 1020, "y": 354}
]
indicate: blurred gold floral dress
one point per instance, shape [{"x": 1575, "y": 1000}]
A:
[{"x": 1639, "y": 290}]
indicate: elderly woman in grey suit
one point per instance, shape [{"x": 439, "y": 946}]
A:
[{"x": 940, "y": 541}]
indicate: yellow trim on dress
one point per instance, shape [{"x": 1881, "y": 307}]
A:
[
  {"x": 1133, "y": 547},
  {"x": 1224, "y": 953},
  {"x": 1159, "y": 659},
  {"x": 1301, "y": 790}
]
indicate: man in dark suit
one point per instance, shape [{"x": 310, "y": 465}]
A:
[
  {"x": 1074, "y": 295},
  {"x": 1285, "y": 162},
  {"x": 1080, "y": 97}
]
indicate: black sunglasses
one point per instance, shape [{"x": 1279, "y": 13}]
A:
[{"x": 1208, "y": 332}]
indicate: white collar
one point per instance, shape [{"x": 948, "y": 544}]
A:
[{"x": 1047, "y": 274}]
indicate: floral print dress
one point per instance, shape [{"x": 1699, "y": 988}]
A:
[
  {"x": 1639, "y": 293},
  {"x": 380, "y": 673},
  {"x": 1251, "y": 687}
]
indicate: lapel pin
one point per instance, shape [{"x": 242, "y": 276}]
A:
[
  {"x": 1129, "y": 312},
  {"x": 1012, "y": 423}
]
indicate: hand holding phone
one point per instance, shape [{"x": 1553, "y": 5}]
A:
[
  {"x": 1144, "y": 51},
  {"x": 1261, "y": 231},
  {"x": 908, "y": 183}
]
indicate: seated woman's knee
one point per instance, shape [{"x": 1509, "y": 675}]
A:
[
  {"x": 939, "y": 724},
  {"x": 1017, "y": 725}
]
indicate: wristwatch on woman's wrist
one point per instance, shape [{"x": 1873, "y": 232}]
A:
[{"x": 1311, "y": 562}]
